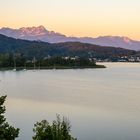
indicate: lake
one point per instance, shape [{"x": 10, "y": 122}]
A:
[{"x": 101, "y": 104}]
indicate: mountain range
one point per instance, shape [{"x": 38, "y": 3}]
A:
[
  {"x": 41, "y": 50},
  {"x": 40, "y": 33}
]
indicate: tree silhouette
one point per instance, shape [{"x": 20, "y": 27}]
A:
[
  {"x": 7, "y": 132},
  {"x": 58, "y": 130}
]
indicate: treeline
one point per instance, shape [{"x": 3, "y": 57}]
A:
[
  {"x": 9, "y": 60},
  {"x": 66, "y": 62},
  {"x": 58, "y": 130},
  {"x": 19, "y": 60}
]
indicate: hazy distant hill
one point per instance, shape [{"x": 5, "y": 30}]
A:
[
  {"x": 40, "y": 33},
  {"x": 43, "y": 49}
]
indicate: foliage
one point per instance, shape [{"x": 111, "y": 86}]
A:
[
  {"x": 58, "y": 130},
  {"x": 7, "y": 61},
  {"x": 7, "y": 132}
]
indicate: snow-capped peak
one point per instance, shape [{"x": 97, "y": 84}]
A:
[
  {"x": 40, "y": 33},
  {"x": 40, "y": 30}
]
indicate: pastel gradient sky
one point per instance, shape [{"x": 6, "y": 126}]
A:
[{"x": 75, "y": 17}]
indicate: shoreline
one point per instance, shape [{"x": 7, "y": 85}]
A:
[{"x": 54, "y": 67}]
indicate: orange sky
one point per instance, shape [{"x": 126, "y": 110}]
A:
[{"x": 75, "y": 17}]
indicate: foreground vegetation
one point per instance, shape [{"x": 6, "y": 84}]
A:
[
  {"x": 58, "y": 130},
  {"x": 7, "y": 132}
]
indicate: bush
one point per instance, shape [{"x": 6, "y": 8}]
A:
[{"x": 58, "y": 130}]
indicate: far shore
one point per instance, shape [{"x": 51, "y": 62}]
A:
[{"x": 53, "y": 67}]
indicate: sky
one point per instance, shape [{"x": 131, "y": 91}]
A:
[{"x": 80, "y": 18}]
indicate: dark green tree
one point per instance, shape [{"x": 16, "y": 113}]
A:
[
  {"x": 7, "y": 132},
  {"x": 58, "y": 130}
]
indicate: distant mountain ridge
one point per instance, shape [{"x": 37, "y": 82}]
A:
[
  {"x": 42, "y": 34},
  {"x": 41, "y": 50}
]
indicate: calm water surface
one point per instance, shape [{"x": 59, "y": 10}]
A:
[{"x": 102, "y": 104}]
